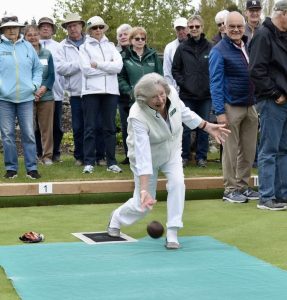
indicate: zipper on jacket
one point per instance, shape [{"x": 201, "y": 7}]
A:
[
  {"x": 17, "y": 74},
  {"x": 104, "y": 60}
]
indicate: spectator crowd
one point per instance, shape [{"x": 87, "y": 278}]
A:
[{"x": 239, "y": 78}]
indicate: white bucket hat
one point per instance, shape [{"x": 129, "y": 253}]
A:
[
  {"x": 96, "y": 21},
  {"x": 70, "y": 18},
  {"x": 11, "y": 24},
  {"x": 10, "y": 20}
]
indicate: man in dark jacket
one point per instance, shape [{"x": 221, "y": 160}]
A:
[
  {"x": 233, "y": 100},
  {"x": 190, "y": 71},
  {"x": 268, "y": 70}
]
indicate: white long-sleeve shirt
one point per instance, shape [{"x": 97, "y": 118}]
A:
[
  {"x": 102, "y": 79},
  {"x": 141, "y": 149},
  {"x": 168, "y": 55}
]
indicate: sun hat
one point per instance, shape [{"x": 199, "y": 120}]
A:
[
  {"x": 11, "y": 24},
  {"x": 10, "y": 20},
  {"x": 96, "y": 21},
  {"x": 46, "y": 20},
  {"x": 180, "y": 22},
  {"x": 73, "y": 17}
]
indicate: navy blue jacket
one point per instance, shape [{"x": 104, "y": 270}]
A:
[{"x": 229, "y": 77}]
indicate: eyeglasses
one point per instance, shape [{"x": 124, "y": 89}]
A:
[
  {"x": 233, "y": 27},
  {"x": 7, "y": 19},
  {"x": 140, "y": 39},
  {"x": 220, "y": 24},
  {"x": 194, "y": 26},
  {"x": 98, "y": 27}
]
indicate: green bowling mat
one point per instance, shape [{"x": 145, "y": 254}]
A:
[{"x": 203, "y": 268}]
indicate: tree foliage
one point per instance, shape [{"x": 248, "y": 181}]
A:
[{"x": 155, "y": 16}]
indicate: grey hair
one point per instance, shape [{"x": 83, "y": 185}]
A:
[
  {"x": 146, "y": 89},
  {"x": 196, "y": 18},
  {"x": 122, "y": 28}
]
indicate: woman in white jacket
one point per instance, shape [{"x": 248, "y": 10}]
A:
[
  {"x": 100, "y": 63},
  {"x": 154, "y": 144}
]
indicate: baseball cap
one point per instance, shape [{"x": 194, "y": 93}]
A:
[
  {"x": 280, "y": 5},
  {"x": 253, "y": 4},
  {"x": 180, "y": 22}
]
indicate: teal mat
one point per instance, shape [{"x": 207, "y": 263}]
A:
[{"x": 203, "y": 269}]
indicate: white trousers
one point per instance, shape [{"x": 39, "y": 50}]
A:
[{"x": 131, "y": 211}]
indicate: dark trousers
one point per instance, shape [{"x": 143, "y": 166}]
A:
[
  {"x": 97, "y": 106},
  {"x": 77, "y": 126},
  {"x": 202, "y": 108}
]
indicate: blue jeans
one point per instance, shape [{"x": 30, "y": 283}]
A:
[
  {"x": 202, "y": 108},
  {"x": 77, "y": 126},
  {"x": 272, "y": 158},
  {"x": 24, "y": 113},
  {"x": 95, "y": 106}
]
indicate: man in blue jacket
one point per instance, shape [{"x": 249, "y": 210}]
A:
[
  {"x": 268, "y": 71},
  {"x": 232, "y": 94}
]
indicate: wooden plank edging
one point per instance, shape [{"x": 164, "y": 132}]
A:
[{"x": 104, "y": 186}]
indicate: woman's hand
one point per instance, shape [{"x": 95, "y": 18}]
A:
[
  {"x": 218, "y": 131},
  {"x": 94, "y": 65},
  {"x": 281, "y": 100},
  {"x": 40, "y": 92},
  {"x": 147, "y": 200}
]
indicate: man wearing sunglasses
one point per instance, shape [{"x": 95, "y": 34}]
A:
[
  {"x": 181, "y": 31},
  {"x": 219, "y": 20},
  {"x": 190, "y": 70},
  {"x": 233, "y": 100}
]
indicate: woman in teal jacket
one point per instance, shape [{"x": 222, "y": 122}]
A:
[
  {"x": 20, "y": 78},
  {"x": 138, "y": 60},
  {"x": 44, "y": 99}
]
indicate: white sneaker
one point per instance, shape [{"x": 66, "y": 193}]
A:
[
  {"x": 88, "y": 169},
  {"x": 114, "y": 169},
  {"x": 47, "y": 161}
]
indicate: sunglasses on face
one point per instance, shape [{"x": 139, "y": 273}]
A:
[
  {"x": 194, "y": 26},
  {"x": 7, "y": 19},
  {"x": 220, "y": 24},
  {"x": 98, "y": 27},
  {"x": 139, "y": 39}
]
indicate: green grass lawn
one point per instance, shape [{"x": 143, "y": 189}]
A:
[
  {"x": 67, "y": 171},
  {"x": 259, "y": 233}
]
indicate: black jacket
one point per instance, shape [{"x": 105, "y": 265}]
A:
[
  {"x": 190, "y": 68},
  {"x": 268, "y": 61}
]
